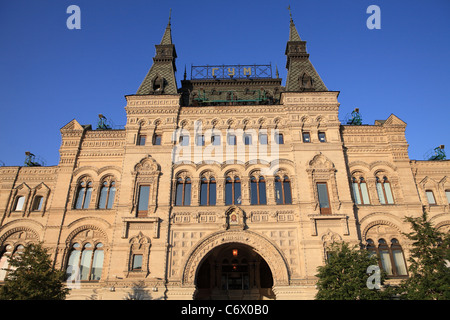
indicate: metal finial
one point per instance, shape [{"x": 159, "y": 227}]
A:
[
  {"x": 170, "y": 14},
  {"x": 290, "y": 13}
]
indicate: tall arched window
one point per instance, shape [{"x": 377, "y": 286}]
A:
[
  {"x": 84, "y": 193},
  {"x": 360, "y": 191},
  {"x": 85, "y": 262},
  {"x": 384, "y": 191},
  {"x": 208, "y": 192},
  {"x": 258, "y": 190},
  {"x": 183, "y": 192},
  {"x": 283, "y": 190},
  {"x": 8, "y": 252},
  {"x": 390, "y": 257},
  {"x": 232, "y": 191},
  {"x": 107, "y": 194},
  {"x": 37, "y": 203}
]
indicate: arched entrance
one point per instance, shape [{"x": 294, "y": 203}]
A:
[{"x": 234, "y": 271}]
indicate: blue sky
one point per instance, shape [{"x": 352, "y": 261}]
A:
[{"x": 50, "y": 75}]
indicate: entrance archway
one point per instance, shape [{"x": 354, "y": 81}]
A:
[
  {"x": 248, "y": 240},
  {"x": 234, "y": 271}
]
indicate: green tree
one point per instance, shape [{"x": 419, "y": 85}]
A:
[
  {"x": 31, "y": 277},
  {"x": 344, "y": 276},
  {"x": 429, "y": 274}
]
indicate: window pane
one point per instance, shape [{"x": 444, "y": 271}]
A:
[
  {"x": 380, "y": 193},
  {"x": 262, "y": 191},
  {"x": 430, "y": 197},
  {"x": 80, "y": 196},
  {"x": 157, "y": 140},
  {"x": 85, "y": 264},
  {"x": 231, "y": 139},
  {"x": 322, "y": 137},
  {"x": 112, "y": 194},
  {"x": 212, "y": 193},
  {"x": 263, "y": 138},
  {"x": 72, "y": 265},
  {"x": 103, "y": 196},
  {"x": 278, "y": 191},
  {"x": 187, "y": 192},
  {"x": 228, "y": 192},
  {"x": 253, "y": 191},
  {"x": 137, "y": 262},
  {"x": 387, "y": 189},
  {"x": 287, "y": 192},
  {"x": 247, "y": 139},
  {"x": 365, "y": 193},
  {"x": 200, "y": 140},
  {"x": 323, "y": 195},
  {"x": 399, "y": 262},
  {"x": 87, "y": 199},
  {"x": 386, "y": 261},
  {"x": 37, "y": 205},
  {"x": 144, "y": 192},
  {"x": 184, "y": 140},
  {"x": 97, "y": 265},
  {"x": 306, "y": 137},
  {"x": 237, "y": 191},
  {"x": 141, "y": 140},
  {"x": 447, "y": 193},
  {"x": 179, "y": 193},
  {"x": 215, "y": 140},
  {"x": 279, "y": 138},
  {"x": 19, "y": 203},
  {"x": 356, "y": 193},
  {"x": 204, "y": 193}
]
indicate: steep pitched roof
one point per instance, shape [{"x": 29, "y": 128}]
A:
[
  {"x": 301, "y": 73},
  {"x": 160, "y": 79}
]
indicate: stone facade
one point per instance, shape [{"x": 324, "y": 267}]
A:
[{"x": 93, "y": 198}]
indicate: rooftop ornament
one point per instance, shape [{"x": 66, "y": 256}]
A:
[
  {"x": 355, "y": 118},
  {"x": 437, "y": 153}
]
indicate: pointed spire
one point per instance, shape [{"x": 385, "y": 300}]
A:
[
  {"x": 293, "y": 34},
  {"x": 167, "y": 37}
]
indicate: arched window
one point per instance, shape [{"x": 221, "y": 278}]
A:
[
  {"x": 85, "y": 262},
  {"x": 232, "y": 191},
  {"x": 8, "y": 252},
  {"x": 390, "y": 257},
  {"x": 283, "y": 190},
  {"x": 19, "y": 204},
  {"x": 384, "y": 191},
  {"x": 84, "y": 193},
  {"x": 258, "y": 190},
  {"x": 183, "y": 192},
  {"x": 430, "y": 197},
  {"x": 360, "y": 191},
  {"x": 107, "y": 194},
  {"x": 208, "y": 192}
]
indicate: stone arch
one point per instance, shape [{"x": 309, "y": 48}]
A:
[{"x": 265, "y": 248}]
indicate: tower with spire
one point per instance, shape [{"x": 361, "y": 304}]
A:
[
  {"x": 160, "y": 79},
  {"x": 301, "y": 74}
]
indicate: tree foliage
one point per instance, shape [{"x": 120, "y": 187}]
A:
[
  {"x": 344, "y": 276},
  {"x": 429, "y": 270},
  {"x": 31, "y": 277}
]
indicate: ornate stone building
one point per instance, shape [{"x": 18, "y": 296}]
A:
[{"x": 231, "y": 186}]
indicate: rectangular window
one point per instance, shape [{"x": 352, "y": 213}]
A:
[
  {"x": 263, "y": 138},
  {"x": 200, "y": 140},
  {"x": 141, "y": 140},
  {"x": 137, "y": 262},
  {"x": 231, "y": 139},
  {"x": 184, "y": 140},
  {"x": 306, "y": 137},
  {"x": 19, "y": 204},
  {"x": 247, "y": 139},
  {"x": 144, "y": 192},
  {"x": 215, "y": 140},
  {"x": 324, "y": 202},
  {"x": 322, "y": 137},
  {"x": 430, "y": 197},
  {"x": 447, "y": 193},
  {"x": 279, "y": 138},
  {"x": 157, "y": 140}
]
